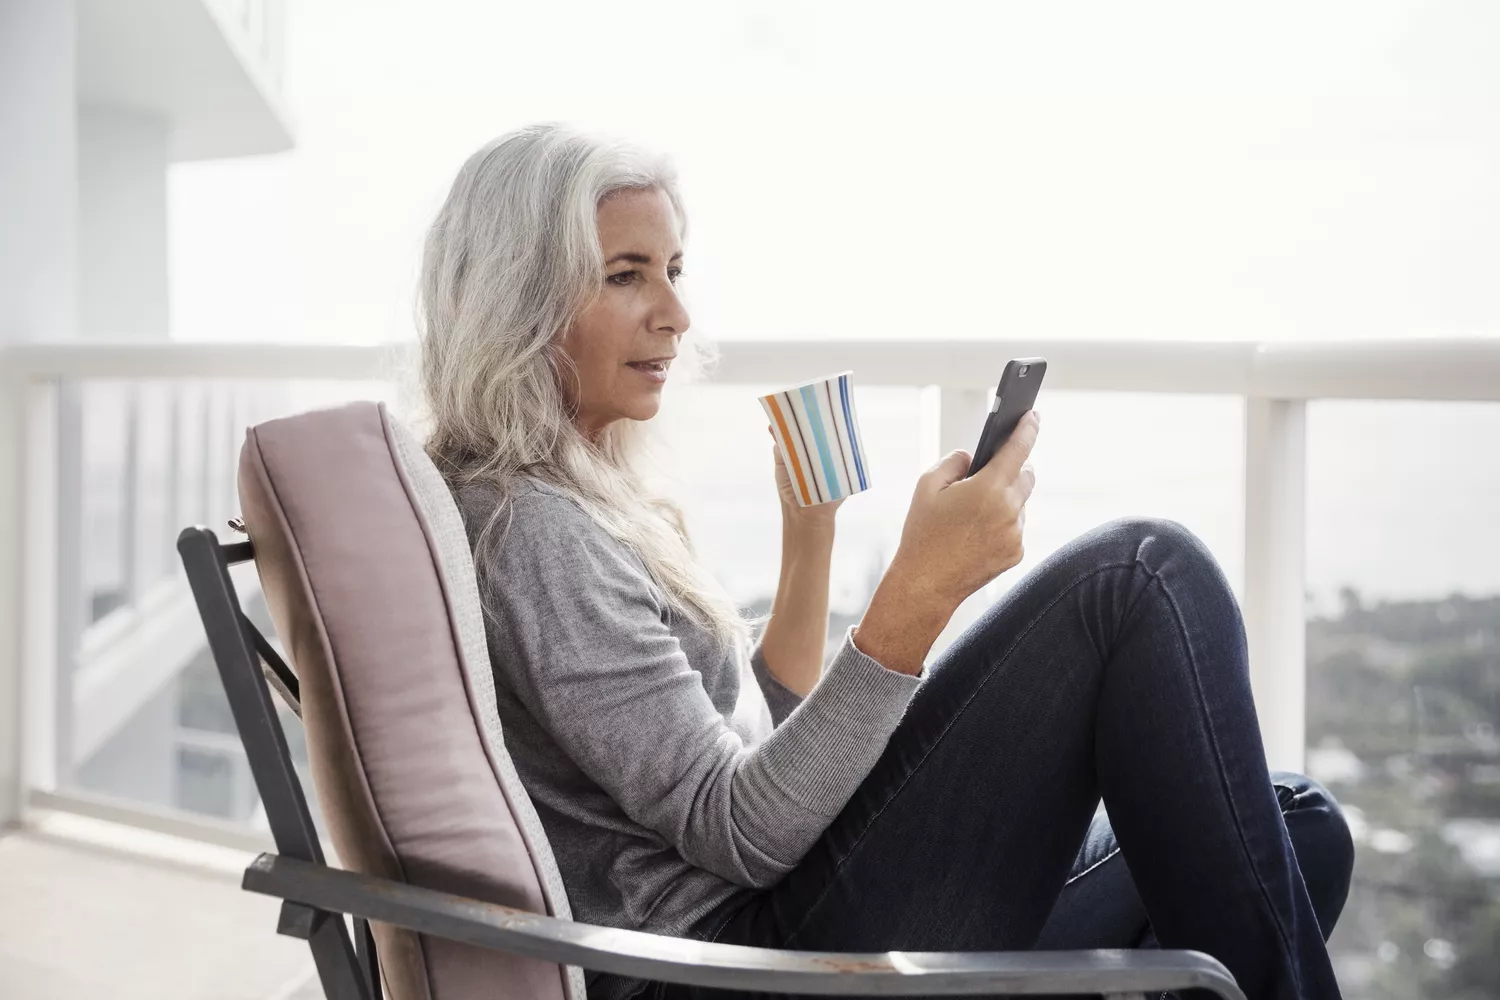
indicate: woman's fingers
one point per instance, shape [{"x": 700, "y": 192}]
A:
[
  {"x": 946, "y": 471},
  {"x": 1024, "y": 484},
  {"x": 1006, "y": 465}
]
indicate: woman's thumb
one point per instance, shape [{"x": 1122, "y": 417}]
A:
[{"x": 948, "y": 470}]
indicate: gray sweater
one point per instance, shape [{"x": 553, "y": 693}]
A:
[{"x": 669, "y": 772}]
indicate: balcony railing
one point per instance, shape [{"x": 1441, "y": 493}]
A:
[{"x": 132, "y": 647}]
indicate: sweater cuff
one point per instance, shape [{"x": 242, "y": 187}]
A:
[
  {"x": 840, "y": 730},
  {"x": 780, "y": 699}
]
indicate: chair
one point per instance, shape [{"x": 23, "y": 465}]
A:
[{"x": 444, "y": 866}]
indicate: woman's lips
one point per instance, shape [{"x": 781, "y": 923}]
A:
[{"x": 656, "y": 371}]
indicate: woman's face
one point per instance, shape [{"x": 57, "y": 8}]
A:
[{"x": 623, "y": 344}]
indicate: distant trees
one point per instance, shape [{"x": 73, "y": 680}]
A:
[{"x": 1413, "y": 690}]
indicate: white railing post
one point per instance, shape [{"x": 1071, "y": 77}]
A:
[
  {"x": 72, "y": 613},
  {"x": 28, "y": 588},
  {"x": 12, "y": 586},
  {"x": 41, "y": 568},
  {"x": 1275, "y": 573}
]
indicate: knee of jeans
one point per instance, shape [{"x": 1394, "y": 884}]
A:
[
  {"x": 1309, "y": 798},
  {"x": 1170, "y": 538}
]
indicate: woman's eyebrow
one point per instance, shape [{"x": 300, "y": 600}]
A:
[{"x": 631, "y": 257}]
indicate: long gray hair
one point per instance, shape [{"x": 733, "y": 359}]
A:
[{"x": 511, "y": 259}]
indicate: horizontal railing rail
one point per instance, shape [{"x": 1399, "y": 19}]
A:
[
  {"x": 1274, "y": 379},
  {"x": 1438, "y": 369}
]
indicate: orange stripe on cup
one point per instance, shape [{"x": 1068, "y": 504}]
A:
[{"x": 786, "y": 435}]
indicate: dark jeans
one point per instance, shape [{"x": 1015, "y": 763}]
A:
[{"x": 1115, "y": 669}]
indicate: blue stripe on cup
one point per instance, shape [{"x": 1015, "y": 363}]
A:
[
  {"x": 814, "y": 409},
  {"x": 845, "y": 400}
]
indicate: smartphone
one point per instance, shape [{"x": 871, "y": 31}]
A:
[{"x": 1015, "y": 395}]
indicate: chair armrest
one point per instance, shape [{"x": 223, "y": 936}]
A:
[{"x": 683, "y": 960}]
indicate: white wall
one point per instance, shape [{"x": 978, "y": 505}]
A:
[
  {"x": 122, "y": 208},
  {"x": 38, "y": 250},
  {"x": 38, "y": 182}
]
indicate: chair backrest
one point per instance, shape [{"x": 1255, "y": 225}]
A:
[{"x": 368, "y": 576}]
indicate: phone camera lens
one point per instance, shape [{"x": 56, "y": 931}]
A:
[{"x": 1023, "y": 371}]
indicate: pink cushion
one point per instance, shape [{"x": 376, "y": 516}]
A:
[{"x": 364, "y": 564}]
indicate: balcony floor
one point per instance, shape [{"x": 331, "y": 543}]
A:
[{"x": 81, "y": 920}]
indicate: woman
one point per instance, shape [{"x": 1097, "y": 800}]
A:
[{"x": 690, "y": 788}]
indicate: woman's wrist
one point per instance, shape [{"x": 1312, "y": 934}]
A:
[
  {"x": 792, "y": 644},
  {"x": 902, "y": 622},
  {"x": 807, "y": 525}
]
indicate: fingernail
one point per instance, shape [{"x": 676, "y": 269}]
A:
[{"x": 1036, "y": 418}]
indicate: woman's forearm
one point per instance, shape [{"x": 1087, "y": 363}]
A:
[
  {"x": 902, "y": 622},
  {"x": 794, "y": 637}
]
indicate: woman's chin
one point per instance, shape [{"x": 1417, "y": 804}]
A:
[{"x": 646, "y": 407}]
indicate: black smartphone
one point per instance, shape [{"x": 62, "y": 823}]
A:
[{"x": 1016, "y": 394}]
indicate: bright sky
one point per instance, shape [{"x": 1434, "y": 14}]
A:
[
  {"x": 1150, "y": 169},
  {"x": 868, "y": 169}
]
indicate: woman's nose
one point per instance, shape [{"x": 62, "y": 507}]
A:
[{"x": 671, "y": 315}]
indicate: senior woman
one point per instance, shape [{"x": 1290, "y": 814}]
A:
[{"x": 694, "y": 783}]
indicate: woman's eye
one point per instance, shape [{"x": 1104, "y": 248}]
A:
[
  {"x": 674, "y": 273},
  {"x": 623, "y": 278}
]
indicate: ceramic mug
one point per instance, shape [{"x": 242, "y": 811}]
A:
[{"x": 817, "y": 430}]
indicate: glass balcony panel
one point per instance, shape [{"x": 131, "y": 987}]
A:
[
  {"x": 1100, "y": 456},
  {"x": 1103, "y": 455},
  {"x": 205, "y": 782},
  {"x": 105, "y": 410},
  {"x": 155, "y": 533},
  {"x": 1403, "y": 686},
  {"x": 143, "y": 713},
  {"x": 1403, "y": 673}
]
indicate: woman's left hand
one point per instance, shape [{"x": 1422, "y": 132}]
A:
[{"x": 821, "y": 514}]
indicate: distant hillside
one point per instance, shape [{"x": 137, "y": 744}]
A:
[
  {"x": 1403, "y": 701},
  {"x": 1408, "y": 676},
  {"x": 1451, "y": 619}
]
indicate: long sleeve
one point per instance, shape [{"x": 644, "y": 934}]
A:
[
  {"x": 780, "y": 699},
  {"x": 582, "y": 638}
]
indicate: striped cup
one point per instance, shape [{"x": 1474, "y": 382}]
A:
[{"x": 817, "y": 429}]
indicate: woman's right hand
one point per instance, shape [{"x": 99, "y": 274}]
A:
[
  {"x": 962, "y": 533},
  {"x": 959, "y": 535}
]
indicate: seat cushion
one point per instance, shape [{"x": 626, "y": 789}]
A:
[{"x": 370, "y": 582}]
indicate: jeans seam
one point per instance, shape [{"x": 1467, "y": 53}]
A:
[
  {"x": 1219, "y": 766},
  {"x": 1091, "y": 867},
  {"x": 988, "y": 674}
]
